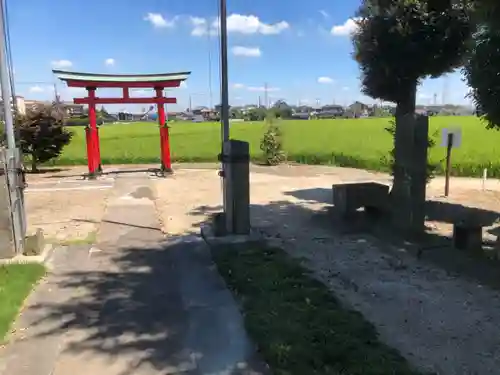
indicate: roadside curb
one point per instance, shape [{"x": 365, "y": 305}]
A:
[{"x": 43, "y": 257}]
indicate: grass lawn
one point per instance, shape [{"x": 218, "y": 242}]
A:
[
  {"x": 359, "y": 143},
  {"x": 298, "y": 325},
  {"x": 16, "y": 282}
]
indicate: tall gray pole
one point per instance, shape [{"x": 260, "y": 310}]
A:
[
  {"x": 224, "y": 75},
  {"x": 5, "y": 83},
  {"x": 227, "y": 194},
  {"x": 210, "y": 93}
]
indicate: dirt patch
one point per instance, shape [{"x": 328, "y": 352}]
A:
[
  {"x": 66, "y": 210},
  {"x": 439, "y": 321}
]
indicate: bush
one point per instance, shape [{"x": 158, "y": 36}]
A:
[
  {"x": 272, "y": 144},
  {"x": 42, "y": 134}
]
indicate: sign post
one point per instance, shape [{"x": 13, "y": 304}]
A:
[{"x": 450, "y": 138}]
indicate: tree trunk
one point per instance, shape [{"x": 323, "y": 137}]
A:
[
  {"x": 34, "y": 164},
  {"x": 401, "y": 196}
]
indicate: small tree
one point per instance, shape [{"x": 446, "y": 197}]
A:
[
  {"x": 272, "y": 143},
  {"x": 42, "y": 134}
]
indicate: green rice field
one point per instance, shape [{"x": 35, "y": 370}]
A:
[{"x": 360, "y": 143}]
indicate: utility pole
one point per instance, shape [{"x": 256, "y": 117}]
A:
[
  {"x": 227, "y": 194},
  {"x": 5, "y": 83},
  {"x": 210, "y": 93},
  {"x": 13, "y": 159},
  {"x": 190, "y": 103}
]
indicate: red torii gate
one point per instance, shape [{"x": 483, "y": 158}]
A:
[{"x": 91, "y": 82}]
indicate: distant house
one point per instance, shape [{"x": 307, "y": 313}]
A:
[
  {"x": 330, "y": 111},
  {"x": 358, "y": 109}
]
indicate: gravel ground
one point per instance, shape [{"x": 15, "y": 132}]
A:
[{"x": 441, "y": 323}]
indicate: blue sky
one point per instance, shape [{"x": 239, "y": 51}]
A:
[{"x": 301, "y": 50}]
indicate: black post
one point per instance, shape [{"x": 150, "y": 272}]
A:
[{"x": 449, "y": 145}]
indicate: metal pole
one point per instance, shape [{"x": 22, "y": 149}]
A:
[
  {"x": 5, "y": 83},
  {"x": 227, "y": 195},
  {"x": 13, "y": 158},
  {"x": 224, "y": 75},
  {"x": 210, "y": 67}
]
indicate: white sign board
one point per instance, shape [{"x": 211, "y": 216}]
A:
[{"x": 456, "y": 137}]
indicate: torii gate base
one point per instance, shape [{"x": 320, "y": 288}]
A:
[{"x": 91, "y": 82}]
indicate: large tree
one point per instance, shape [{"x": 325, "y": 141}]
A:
[
  {"x": 482, "y": 69},
  {"x": 397, "y": 45}
]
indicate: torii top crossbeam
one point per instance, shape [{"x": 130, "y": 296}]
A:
[
  {"x": 124, "y": 81},
  {"x": 76, "y": 79}
]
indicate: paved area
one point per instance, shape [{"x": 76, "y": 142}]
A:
[{"x": 137, "y": 302}]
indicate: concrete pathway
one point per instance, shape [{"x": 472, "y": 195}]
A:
[{"x": 136, "y": 303}]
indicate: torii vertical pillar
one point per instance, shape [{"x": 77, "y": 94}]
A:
[
  {"x": 93, "y": 149},
  {"x": 166, "y": 162}
]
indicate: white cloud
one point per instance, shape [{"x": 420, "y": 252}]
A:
[
  {"x": 77, "y": 90},
  {"x": 349, "y": 27},
  {"x": 36, "y": 89},
  {"x": 324, "y": 13},
  {"x": 250, "y": 24},
  {"x": 238, "y": 23},
  {"x": 200, "y": 26},
  {"x": 325, "y": 80},
  {"x": 246, "y": 51},
  {"x": 262, "y": 88},
  {"x": 345, "y": 88},
  {"x": 61, "y": 64},
  {"x": 158, "y": 21},
  {"x": 109, "y": 62},
  {"x": 238, "y": 85}
]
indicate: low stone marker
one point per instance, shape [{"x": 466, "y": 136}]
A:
[
  {"x": 468, "y": 235},
  {"x": 348, "y": 197}
]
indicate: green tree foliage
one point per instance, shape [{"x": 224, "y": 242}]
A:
[
  {"x": 256, "y": 114},
  {"x": 482, "y": 70},
  {"x": 282, "y": 110},
  {"x": 272, "y": 143},
  {"x": 401, "y": 42},
  {"x": 42, "y": 134}
]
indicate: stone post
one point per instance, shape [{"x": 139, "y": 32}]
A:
[{"x": 237, "y": 157}]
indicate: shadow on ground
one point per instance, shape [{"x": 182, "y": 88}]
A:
[
  {"x": 430, "y": 247},
  {"x": 157, "y": 308}
]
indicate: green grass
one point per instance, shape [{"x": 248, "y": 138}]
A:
[
  {"x": 16, "y": 282},
  {"x": 298, "y": 325},
  {"x": 358, "y": 143}
]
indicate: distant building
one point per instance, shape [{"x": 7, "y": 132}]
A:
[
  {"x": 73, "y": 110},
  {"x": 20, "y": 105}
]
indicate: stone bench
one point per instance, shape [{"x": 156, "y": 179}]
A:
[{"x": 349, "y": 197}]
